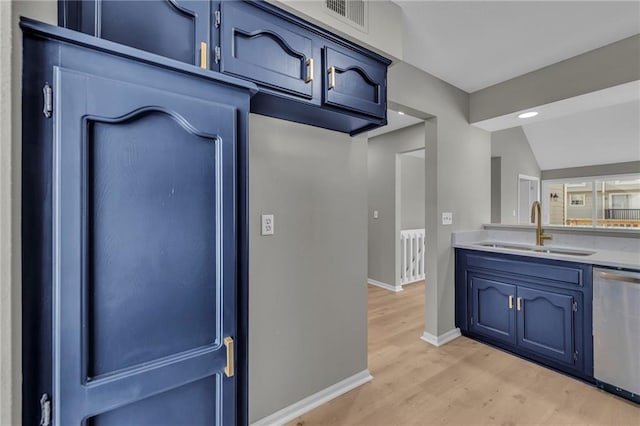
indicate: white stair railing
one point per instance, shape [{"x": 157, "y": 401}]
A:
[{"x": 412, "y": 246}]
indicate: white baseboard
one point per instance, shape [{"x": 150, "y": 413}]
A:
[
  {"x": 386, "y": 286},
  {"x": 413, "y": 282},
  {"x": 442, "y": 339},
  {"x": 309, "y": 403}
]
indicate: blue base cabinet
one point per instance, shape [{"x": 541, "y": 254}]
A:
[
  {"x": 492, "y": 313},
  {"x": 304, "y": 73},
  {"x": 134, "y": 236},
  {"x": 537, "y": 308}
]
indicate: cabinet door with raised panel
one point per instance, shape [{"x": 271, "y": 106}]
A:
[
  {"x": 354, "y": 82},
  {"x": 144, "y": 249},
  {"x": 266, "y": 49},
  {"x": 492, "y": 308},
  {"x": 545, "y": 323},
  {"x": 175, "y": 29}
]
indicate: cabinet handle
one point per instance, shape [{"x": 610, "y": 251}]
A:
[
  {"x": 622, "y": 278},
  {"x": 519, "y": 303},
  {"x": 332, "y": 77},
  {"x": 229, "y": 370},
  {"x": 203, "y": 55},
  {"x": 309, "y": 78},
  {"x": 511, "y": 301}
]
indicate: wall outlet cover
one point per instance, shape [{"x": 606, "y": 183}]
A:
[
  {"x": 267, "y": 224},
  {"x": 447, "y": 218}
]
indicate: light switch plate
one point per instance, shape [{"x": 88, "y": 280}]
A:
[
  {"x": 375, "y": 214},
  {"x": 447, "y": 218},
  {"x": 267, "y": 224}
]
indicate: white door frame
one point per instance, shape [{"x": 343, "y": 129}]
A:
[{"x": 528, "y": 178}]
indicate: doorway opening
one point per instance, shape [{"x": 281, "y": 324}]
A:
[
  {"x": 410, "y": 208},
  {"x": 528, "y": 192},
  {"x": 396, "y": 189}
]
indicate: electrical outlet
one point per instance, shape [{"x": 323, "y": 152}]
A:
[
  {"x": 447, "y": 218},
  {"x": 267, "y": 224}
]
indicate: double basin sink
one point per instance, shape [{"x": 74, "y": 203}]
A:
[{"x": 538, "y": 249}]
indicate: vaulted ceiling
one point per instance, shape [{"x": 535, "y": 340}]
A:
[{"x": 475, "y": 44}]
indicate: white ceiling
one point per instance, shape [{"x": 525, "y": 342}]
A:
[
  {"x": 610, "y": 96},
  {"x": 475, "y": 44},
  {"x": 599, "y": 136}
]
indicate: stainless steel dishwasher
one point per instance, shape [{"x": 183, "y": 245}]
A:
[{"x": 616, "y": 331}]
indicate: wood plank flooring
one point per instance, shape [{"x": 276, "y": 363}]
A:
[{"x": 461, "y": 383}]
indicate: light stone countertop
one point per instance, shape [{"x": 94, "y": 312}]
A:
[{"x": 617, "y": 252}]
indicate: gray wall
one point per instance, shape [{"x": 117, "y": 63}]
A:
[
  {"x": 412, "y": 192},
  {"x": 608, "y": 66},
  {"x": 457, "y": 180},
  {"x": 589, "y": 171},
  {"x": 308, "y": 292},
  {"x": 512, "y": 146},
  {"x": 496, "y": 189},
  {"x": 383, "y": 196}
]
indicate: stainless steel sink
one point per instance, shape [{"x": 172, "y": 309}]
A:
[
  {"x": 564, "y": 251},
  {"x": 507, "y": 246},
  {"x": 538, "y": 249}
]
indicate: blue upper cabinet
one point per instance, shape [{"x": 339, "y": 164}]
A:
[
  {"x": 177, "y": 29},
  {"x": 304, "y": 73},
  {"x": 266, "y": 50},
  {"x": 354, "y": 82}
]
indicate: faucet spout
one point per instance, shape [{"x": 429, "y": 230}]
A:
[{"x": 536, "y": 213}]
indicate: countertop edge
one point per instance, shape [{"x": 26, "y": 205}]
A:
[
  {"x": 603, "y": 232},
  {"x": 600, "y": 258}
]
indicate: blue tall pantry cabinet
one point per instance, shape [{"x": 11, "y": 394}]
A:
[
  {"x": 135, "y": 197},
  {"x": 134, "y": 236}
]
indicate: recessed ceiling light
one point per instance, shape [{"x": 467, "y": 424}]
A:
[
  {"x": 528, "y": 114},
  {"x": 400, "y": 112}
]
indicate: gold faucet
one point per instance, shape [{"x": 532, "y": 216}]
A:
[{"x": 540, "y": 235}]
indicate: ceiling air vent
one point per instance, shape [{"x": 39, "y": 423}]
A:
[{"x": 351, "y": 11}]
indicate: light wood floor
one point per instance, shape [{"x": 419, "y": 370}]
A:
[{"x": 461, "y": 383}]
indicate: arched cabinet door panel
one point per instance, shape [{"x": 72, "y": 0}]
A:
[
  {"x": 354, "y": 82},
  {"x": 545, "y": 324},
  {"x": 266, "y": 49},
  {"x": 175, "y": 29},
  {"x": 144, "y": 244},
  {"x": 492, "y": 309}
]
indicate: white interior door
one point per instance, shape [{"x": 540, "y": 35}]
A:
[{"x": 528, "y": 192}]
